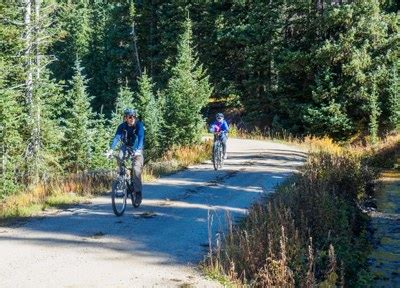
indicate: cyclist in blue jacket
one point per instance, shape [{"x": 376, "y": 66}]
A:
[
  {"x": 131, "y": 133},
  {"x": 220, "y": 125}
]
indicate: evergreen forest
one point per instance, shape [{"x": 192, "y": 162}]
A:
[{"x": 68, "y": 68}]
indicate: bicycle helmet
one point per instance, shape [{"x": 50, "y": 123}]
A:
[
  {"x": 219, "y": 115},
  {"x": 130, "y": 112}
]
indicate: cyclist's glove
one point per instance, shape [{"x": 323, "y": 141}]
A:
[
  {"x": 109, "y": 153},
  {"x": 138, "y": 152}
]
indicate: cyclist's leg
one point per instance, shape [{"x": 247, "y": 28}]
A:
[
  {"x": 215, "y": 140},
  {"x": 122, "y": 155},
  {"x": 137, "y": 167},
  {"x": 223, "y": 140}
]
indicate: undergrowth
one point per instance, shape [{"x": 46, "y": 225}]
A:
[
  {"x": 262, "y": 134},
  {"x": 78, "y": 188},
  {"x": 311, "y": 232}
]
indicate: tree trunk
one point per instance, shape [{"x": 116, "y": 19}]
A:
[
  {"x": 136, "y": 49},
  {"x": 27, "y": 52},
  {"x": 37, "y": 38},
  {"x": 36, "y": 104},
  {"x": 152, "y": 19}
]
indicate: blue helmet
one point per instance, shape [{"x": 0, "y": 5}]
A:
[{"x": 130, "y": 112}]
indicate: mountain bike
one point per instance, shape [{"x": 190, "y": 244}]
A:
[
  {"x": 217, "y": 156},
  {"x": 122, "y": 187}
]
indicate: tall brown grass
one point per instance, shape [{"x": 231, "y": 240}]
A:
[{"x": 311, "y": 232}]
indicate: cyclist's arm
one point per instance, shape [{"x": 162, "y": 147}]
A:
[
  {"x": 211, "y": 128},
  {"x": 225, "y": 127},
  {"x": 214, "y": 128},
  {"x": 117, "y": 137},
  {"x": 140, "y": 137}
]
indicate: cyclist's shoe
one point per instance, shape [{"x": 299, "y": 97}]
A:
[
  {"x": 225, "y": 156},
  {"x": 137, "y": 199}
]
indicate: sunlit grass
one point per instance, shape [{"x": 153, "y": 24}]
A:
[
  {"x": 38, "y": 199},
  {"x": 266, "y": 134},
  {"x": 24, "y": 204},
  {"x": 57, "y": 200},
  {"x": 78, "y": 188},
  {"x": 176, "y": 159},
  {"x": 311, "y": 231}
]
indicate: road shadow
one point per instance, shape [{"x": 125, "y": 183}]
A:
[{"x": 174, "y": 219}]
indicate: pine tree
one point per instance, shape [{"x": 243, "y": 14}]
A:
[
  {"x": 150, "y": 114},
  {"x": 187, "y": 93},
  {"x": 262, "y": 32},
  {"x": 11, "y": 96},
  {"x": 75, "y": 31},
  {"x": 100, "y": 143},
  {"x": 42, "y": 94},
  {"x": 392, "y": 108},
  {"x": 325, "y": 112},
  {"x": 124, "y": 100},
  {"x": 161, "y": 24},
  {"x": 79, "y": 136},
  {"x": 374, "y": 115},
  {"x": 11, "y": 145},
  {"x": 120, "y": 67},
  {"x": 96, "y": 61}
]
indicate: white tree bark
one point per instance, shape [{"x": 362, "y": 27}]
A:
[
  {"x": 32, "y": 68},
  {"x": 27, "y": 53},
  {"x": 36, "y": 104},
  {"x": 37, "y": 38}
]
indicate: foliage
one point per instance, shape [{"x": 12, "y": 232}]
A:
[
  {"x": 11, "y": 145},
  {"x": 78, "y": 136},
  {"x": 292, "y": 240},
  {"x": 123, "y": 101},
  {"x": 100, "y": 143},
  {"x": 151, "y": 114},
  {"x": 187, "y": 93}
]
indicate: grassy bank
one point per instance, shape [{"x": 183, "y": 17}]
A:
[
  {"x": 259, "y": 134},
  {"x": 79, "y": 188},
  {"x": 312, "y": 230}
]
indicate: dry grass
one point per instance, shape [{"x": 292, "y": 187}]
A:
[
  {"x": 386, "y": 154},
  {"x": 265, "y": 134},
  {"x": 71, "y": 189},
  {"x": 311, "y": 232},
  {"x": 77, "y": 188},
  {"x": 177, "y": 159}
]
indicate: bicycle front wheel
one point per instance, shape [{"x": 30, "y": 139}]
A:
[
  {"x": 118, "y": 196},
  {"x": 217, "y": 155}
]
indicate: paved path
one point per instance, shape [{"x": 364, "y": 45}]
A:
[{"x": 156, "y": 245}]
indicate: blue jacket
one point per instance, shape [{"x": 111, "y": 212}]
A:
[
  {"x": 219, "y": 126},
  {"x": 131, "y": 136}
]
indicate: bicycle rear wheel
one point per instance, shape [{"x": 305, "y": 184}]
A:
[{"x": 118, "y": 196}]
